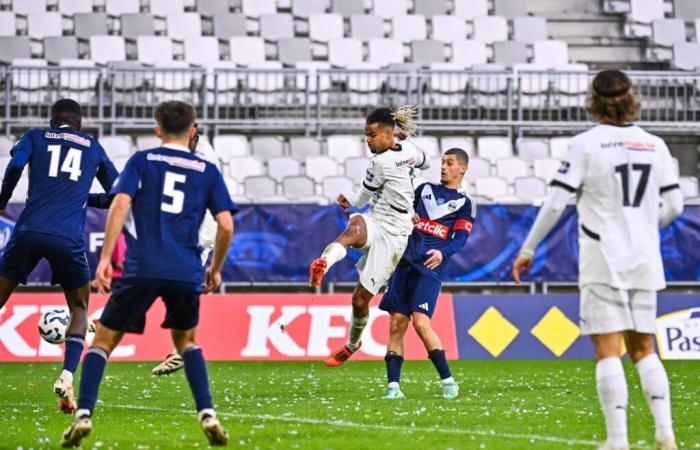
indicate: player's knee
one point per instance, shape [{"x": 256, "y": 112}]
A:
[
  {"x": 398, "y": 324},
  {"x": 422, "y": 324}
]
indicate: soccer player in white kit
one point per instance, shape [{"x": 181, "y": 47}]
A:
[
  {"x": 382, "y": 232},
  {"x": 207, "y": 237},
  {"x": 626, "y": 187}
]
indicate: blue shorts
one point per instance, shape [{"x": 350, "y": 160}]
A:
[
  {"x": 132, "y": 298},
  {"x": 410, "y": 291},
  {"x": 69, "y": 266}
]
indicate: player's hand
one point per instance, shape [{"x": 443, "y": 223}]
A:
[
  {"x": 400, "y": 133},
  {"x": 415, "y": 219},
  {"x": 434, "y": 259},
  {"x": 522, "y": 265},
  {"x": 342, "y": 201},
  {"x": 103, "y": 276},
  {"x": 212, "y": 281}
]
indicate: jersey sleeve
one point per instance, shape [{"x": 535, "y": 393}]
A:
[
  {"x": 461, "y": 229},
  {"x": 130, "y": 179},
  {"x": 572, "y": 170},
  {"x": 219, "y": 199},
  {"x": 669, "y": 175},
  {"x": 374, "y": 177}
]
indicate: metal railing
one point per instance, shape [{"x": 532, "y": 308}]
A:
[{"x": 316, "y": 101}]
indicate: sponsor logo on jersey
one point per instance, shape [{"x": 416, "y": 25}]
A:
[
  {"x": 678, "y": 334},
  {"x": 68, "y": 137},
  {"x": 406, "y": 162},
  {"x": 432, "y": 228},
  {"x": 565, "y": 166},
  {"x": 177, "y": 161},
  {"x": 639, "y": 145}
]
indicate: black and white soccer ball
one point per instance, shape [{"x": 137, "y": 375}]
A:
[{"x": 53, "y": 324}]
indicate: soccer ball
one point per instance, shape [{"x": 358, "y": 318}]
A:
[{"x": 52, "y": 326}]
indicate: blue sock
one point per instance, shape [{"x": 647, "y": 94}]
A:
[
  {"x": 74, "y": 348},
  {"x": 439, "y": 360},
  {"x": 91, "y": 377},
  {"x": 196, "y": 371},
  {"x": 393, "y": 366}
]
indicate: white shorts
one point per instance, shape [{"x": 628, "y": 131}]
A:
[
  {"x": 382, "y": 254},
  {"x": 605, "y": 309}
]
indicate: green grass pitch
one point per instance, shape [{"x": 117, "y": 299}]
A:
[{"x": 304, "y": 405}]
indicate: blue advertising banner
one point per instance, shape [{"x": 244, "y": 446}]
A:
[
  {"x": 277, "y": 243},
  {"x": 546, "y": 326}
]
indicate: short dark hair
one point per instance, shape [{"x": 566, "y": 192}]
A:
[
  {"x": 382, "y": 116},
  {"x": 66, "y": 111},
  {"x": 612, "y": 98},
  {"x": 462, "y": 156},
  {"x": 175, "y": 117}
]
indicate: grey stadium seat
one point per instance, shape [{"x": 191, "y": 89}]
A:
[
  {"x": 276, "y": 26},
  {"x": 90, "y": 24},
  {"x": 60, "y": 47},
  {"x": 14, "y": 47},
  {"x": 529, "y": 29},
  {"x": 304, "y": 8},
  {"x": 212, "y": 7},
  {"x": 430, "y": 8},
  {"x": 265, "y": 147},
  {"x": 257, "y": 188},
  {"x": 366, "y": 26},
  {"x": 686, "y": 55},
  {"x": 127, "y": 80},
  {"x": 8, "y": 24},
  {"x": 135, "y": 25},
  {"x": 165, "y": 7},
  {"x": 509, "y": 52},
  {"x": 291, "y": 51},
  {"x": 510, "y": 8},
  {"x": 427, "y": 51},
  {"x": 294, "y": 187},
  {"x": 687, "y": 10},
  {"x": 666, "y": 32},
  {"x": 301, "y": 146},
  {"x": 348, "y": 7},
  {"x": 227, "y": 25}
]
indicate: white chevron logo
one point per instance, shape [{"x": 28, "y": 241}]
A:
[{"x": 423, "y": 306}]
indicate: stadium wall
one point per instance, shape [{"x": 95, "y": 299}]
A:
[
  {"x": 307, "y": 327},
  {"x": 275, "y": 243}
]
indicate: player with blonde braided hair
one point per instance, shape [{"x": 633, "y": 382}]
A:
[{"x": 382, "y": 232}]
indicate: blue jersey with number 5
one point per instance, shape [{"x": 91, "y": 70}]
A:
[
  {"x": 170, "y": 190},
  {"x": 63, "y": 162}
]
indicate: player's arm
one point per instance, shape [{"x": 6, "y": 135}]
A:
[
  {"x": 222, "y": 208},
  {"x": 20, "y": 157},
  {"x": 115, "y": 222},
  {"x": 106, "y": 175},
  {"x": 461, "y": 230},
  {"x": 374, "y": 179},
  {"x": 671, "y": 195}
]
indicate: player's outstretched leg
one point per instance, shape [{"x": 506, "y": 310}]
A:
[
  {"x": 77, "y": 300},
  {"x": 197, "y": 378},
  {"x": 354, "y": 235},
  {"x": 172, "y": 363},
  {"x": 360, "y": 316},
  {"x": 424, "y": 329}
]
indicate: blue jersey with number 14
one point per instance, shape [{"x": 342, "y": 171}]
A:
[{"x": 170, "y": 190}]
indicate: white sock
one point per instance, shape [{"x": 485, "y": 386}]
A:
[
  {"x": 333, "y": 253},
  {"x": 67, "y": 375},
  {"x": 205, "y": 412},
  {"x": 394, "y": 385},
  {"x": 658, "y": 394},
  {"x": 612, "y": 393},
  {"x": 449, "y": 380},
  {"x": 82, "y": 412},
  {"x": 357, "y": 325}
]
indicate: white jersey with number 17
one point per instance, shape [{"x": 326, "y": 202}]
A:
[{"x": 618, "y": 174}]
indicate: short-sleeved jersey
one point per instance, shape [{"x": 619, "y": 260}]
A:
[
  {"x": 390, "y": 177},
  {"x": 442, "y": 211},
  {"x": 170, "y": 190},
  {"x": 63, "y": 162},
  {"x": 618, "y": 174}
]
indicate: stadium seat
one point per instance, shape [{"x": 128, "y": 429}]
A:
[
  {"x": 86, "y": 25},
  {"x": 426, "y": 52},
  {"x": 571, "y": 79},
  {"x": 494, "y": 147},
  {"x": 135, "y": 25},
  {"x": 295, "y": 188},
  {"x": 257, "y": 188},
  {"x": 256, "y": 8},
  {"x": 227, "y": 25},
  {"x": 154, "y": 50},
  {"x": 356, "y": 168},
  {"x": 427, "y": 144},
  {"x": 512, "y": 168},
  {"x": 490, "y": 29},
  {"x": 43, "y": 24},
  {"x": 645, "y": 11},
  {"x": 291, "y": 51},
  {"x": 25, "y": 7},
  {"x": 666, "y": 32},
  {"x": 332, "y": 187},
  {"x": 530, "y": 188},
  {"x": 430, "y": 8},
  {"x": 319, "y": 167},
  {"x": 8, "y": 23},
  {"x": 550, "y": 53},
  {"x": 385, "y": 51},
  {"x": 469, "y": 53},
  {"x": 390, "y": 8},
  {"x": 689, "y": 187},
  {"x": 559, "y": 147},
  {"x": 104, "y": 49},
  {"x": 276, "y": 26},
  {"x": 409, "y": 27},
  {"x": 30, "y": 79},
  {"x": 264, "y": 80},
  {"x": 489, "y": 78},
  {"x": 478, "y": 168},
  {"x": 491, "y": 187},
  {"x": 534, "y": 83},
  {"x": 60, "y": 47},
  {"x": 529, "y": 29},
  {"x": 301, "y": 147},
  {"x": 324, "y": 27},
  {"x": 228, "y": 146},
  {"x": 117, "y": 146},
  {"x": 510, "y": 8},
  {"x": 342, "y": 52},
  {"x": 147, "y": 141},
  {"x": 70, "y": 7},
  {"x": 466, "y": 143},
  {"x": 366, "y": 26},
  {"x": 471, "y": 9},
  {"x": 282, "y": 167},
  {"x": 341, "y": 147},
  {"x": 246, "y": 50},
  {"x": 211, "y": 8},
  {"x": 124, "y": 78},
  {"x": 545, "y": 168},
  {"x": 264, "y": 147},
  {"x": 532, "y": 148},
  {"x": 305, "y": 8},
  {"x": 119, "y": 7},
  {"x": 509, "y": 52},
  {"x": 202, "y": 50},
  {"x": 347, "y": 8},
  {"x": 686, "y": 10},
  {"x": 242, "y": 167},
  {"x": 686, "y": 55},
  {"x": 446, "y": 79},
  {"x": 449, "y": 28},
  {"x": 184, "y": 25}
]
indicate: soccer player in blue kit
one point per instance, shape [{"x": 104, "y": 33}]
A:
[
  {"x": 444, "y": 218},
  {"x": 63, "y": 162},
  {"x": 160, "y": 200}
]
